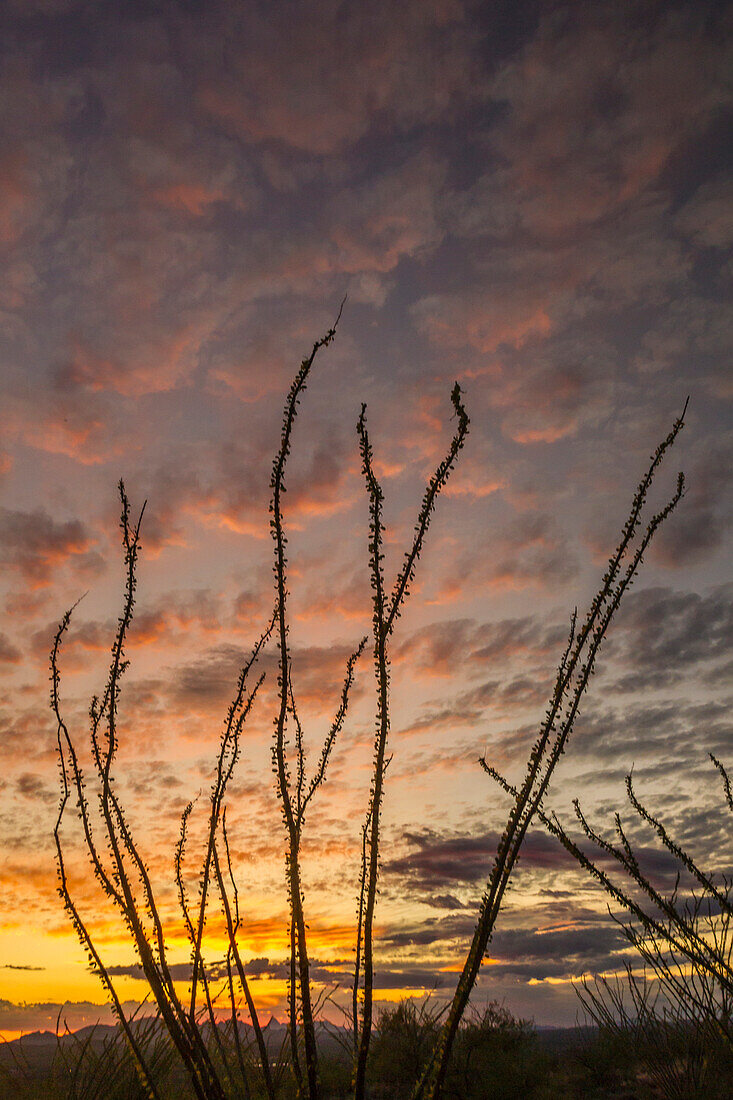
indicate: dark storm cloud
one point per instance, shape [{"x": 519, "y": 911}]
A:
[
  {"x": 438, "y": 648},
  {"x": 9, "y": 653},
  {"x": 36, "y": 545},
  {"x": 442, "y": 901},
  {"x": 527, "y": 952},
  {"x": 404, "y": 975},
  {"x": 317, "y": 674},
  {"x": 556, "y": 952},
  {"x": 655, "y": 733},
  {"x": 661, "y": 633},
  {"x": 430, "y": 931},
  {"x": 262, "y": 967},
  {"x": 435, "y": 861},
  {"x": 698, "y": 823}
]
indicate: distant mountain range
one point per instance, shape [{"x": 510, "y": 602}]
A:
[{"x": 35, "y": 1051}]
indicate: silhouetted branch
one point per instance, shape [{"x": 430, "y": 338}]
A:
[
  {"x": 386, "y": 611},
  {"x": 292, "y": 806},
  {"x": 574, "y": 671}
]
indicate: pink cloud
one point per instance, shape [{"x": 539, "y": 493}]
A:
[
  {"x": 595, "y": 114},
  {"x": 485, "y": 322},
  {"x": 287, "y": 88},
  {"x": 193, "y": 198},
  {"x": 167, "y": 357}
]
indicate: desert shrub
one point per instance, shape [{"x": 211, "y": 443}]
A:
[
  {"x": 495, "y": 1055},
  {"x": 672, "y": 1007},
  {"x": 92, "y": 1064},
  {"x": 657, "y": 1041},
  {"x": 98, "y": 1063},
  {"x": 404, "y": 1039},
  {"x": 679, "y": 1008},
  {"x": 605, "y": 1059}
]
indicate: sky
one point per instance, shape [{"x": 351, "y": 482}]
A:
[{"x": 531, "y": 199}]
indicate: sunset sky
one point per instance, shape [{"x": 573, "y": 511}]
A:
[{"x": 533, "y": 199}]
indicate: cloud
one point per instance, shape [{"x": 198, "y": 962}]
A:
[
  {"x": 527, "y": 953},
  {"x": 171, "y": 619},
  {"x": 379, "y": 223},
  {"x": 664, "y": 732},
  {"x": 440, "y": 647},
  {"x": 436, "y": 861},
  {"x": 33, "y": 787},
  {"x": 705, "y": 217},
  {"x": 36, "y": 544},
  {"x": 272, "y": 93},
  {"x": 534, "y": 206},
  {"x": 691, "y": 328},
  {"x": 317, "y": 673},
  {"x": 703, "y": 521},
  {"x": 661, "y": 632},
  {"x": 527, "y": 551},
  {"x": 259, "y": 968},
  {"x": 9, "y": 653},
  {"x": 597, "y": 102}
]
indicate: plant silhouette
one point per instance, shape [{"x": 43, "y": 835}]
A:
[{"x": 216, "y": 1067}]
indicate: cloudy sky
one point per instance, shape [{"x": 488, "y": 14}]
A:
[{"x": 532, "y": 199}]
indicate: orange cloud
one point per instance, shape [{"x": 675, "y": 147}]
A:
[{"x": 193, "y": 198}]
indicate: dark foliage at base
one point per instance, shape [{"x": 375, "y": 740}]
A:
[{"x": 495, "y": 1057}]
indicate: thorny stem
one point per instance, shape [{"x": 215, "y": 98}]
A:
[
  {"x": 227, "y": 760},
  {"x": 118, "y": 886},
  {"x": 359, "y": 931},
  {"x": 575, "y": 669},
  {"x": 385, "y": 614},
  {"x": 232, "y": 924},
  {"x": 63, "y": 739},
  {"x": 291, "y": 816}
]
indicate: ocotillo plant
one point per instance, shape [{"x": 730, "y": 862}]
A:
[
  {"x": 678, "y": 1010},
  {"x": 210, "y": 1077},
  {"x": 296, "y": 795},
  {"x": 117, "y": 872},
  {"x": 685, "y": 941},
  {"x": 214, "y": 1067},
  {"x": 574, "y": 672},
  {"x": 387, "y": 609}
]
